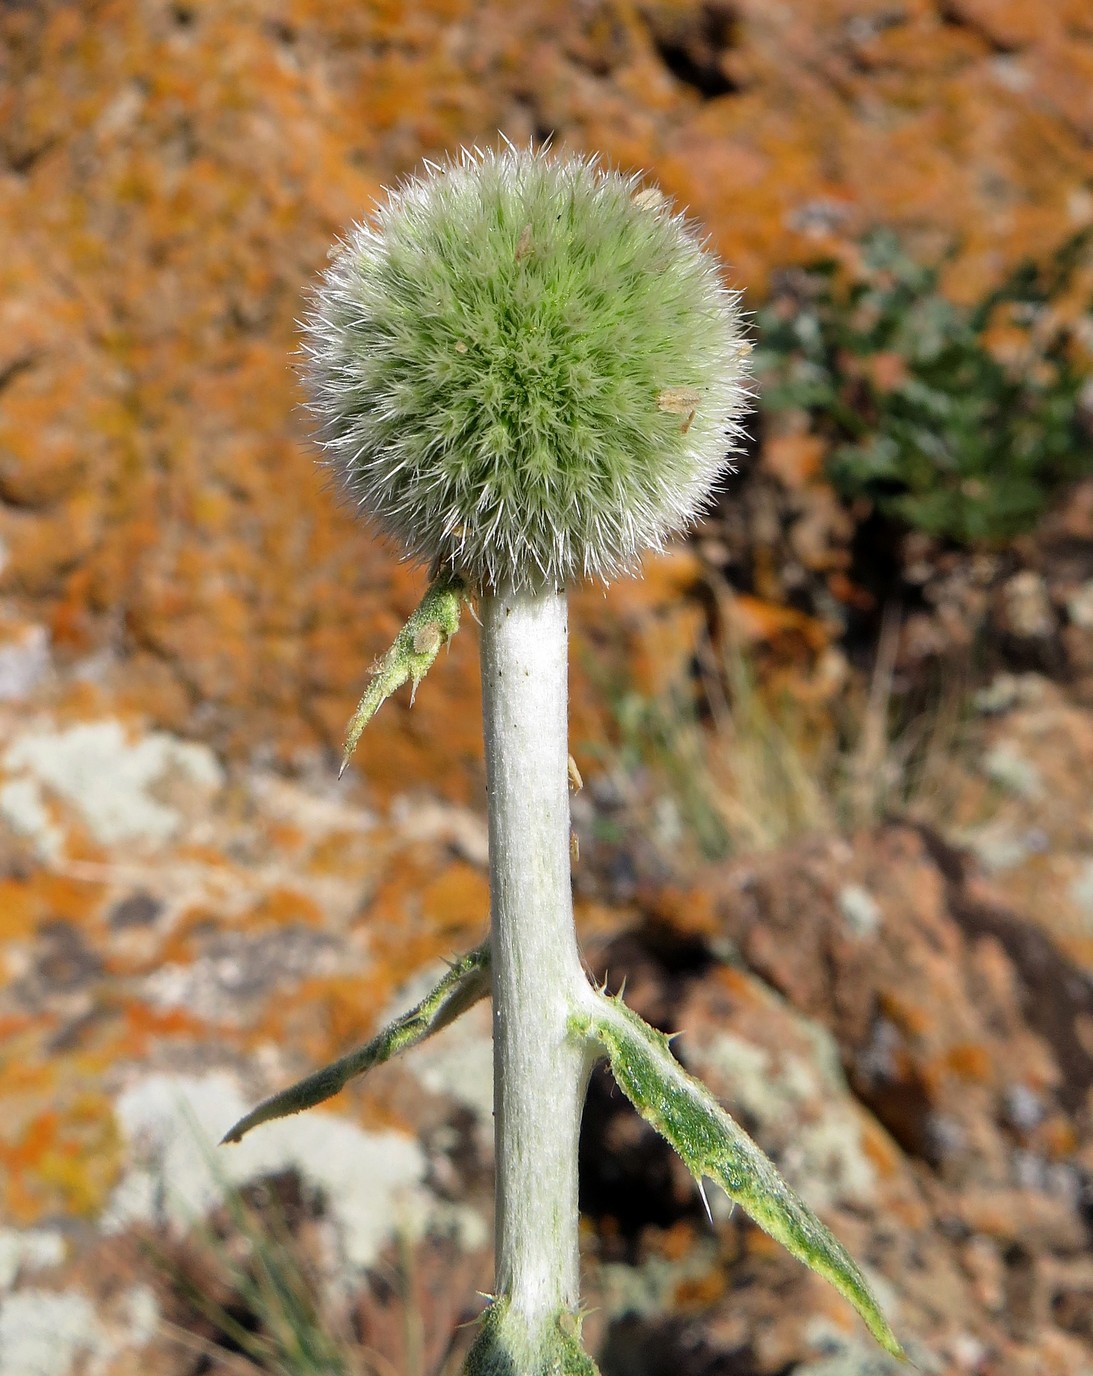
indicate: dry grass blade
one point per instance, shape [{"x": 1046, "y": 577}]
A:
[{"x": 751, "y": 767}]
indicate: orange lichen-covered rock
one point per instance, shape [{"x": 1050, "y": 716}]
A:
[{"x": 169, "y": 193}]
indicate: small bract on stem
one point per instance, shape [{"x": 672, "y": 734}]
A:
[{"x": 527, "y": 370}]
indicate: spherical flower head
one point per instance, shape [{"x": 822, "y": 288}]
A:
[{"x": 526, "y": 369}]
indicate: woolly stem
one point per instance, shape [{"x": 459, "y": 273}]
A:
[{"x": 541, "y": 1070}]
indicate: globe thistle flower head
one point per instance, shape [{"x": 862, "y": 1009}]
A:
[{"x": 526, "y": 369}]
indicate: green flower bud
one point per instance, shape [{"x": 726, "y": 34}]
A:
[{"x": 526, "y": 369}]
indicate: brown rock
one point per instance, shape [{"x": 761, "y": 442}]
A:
[{"x": 941, "y": 1033}]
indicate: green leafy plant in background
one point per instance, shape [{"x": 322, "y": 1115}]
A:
[
  {"x": 959, "y": 420},
  {"x": 527, "y": 371}
]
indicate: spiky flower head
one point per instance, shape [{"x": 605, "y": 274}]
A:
[{"x": 526, "y": 368}]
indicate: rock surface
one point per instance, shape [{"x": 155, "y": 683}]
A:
[{"x": 924, "y": 1080}]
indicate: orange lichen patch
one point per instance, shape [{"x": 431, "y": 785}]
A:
[
  {"x": 672, "y": 1243},
  {"x": 759, "y": 1244},
  {"x": 24, "y": 903},
  {"x": 756, "y": 622},
  {"x": 23, "y": 1196},
  {"x": 351, "y": 1006},
  {"x": 13, "y": 1025},
  {"x": 1010, "y": 23},
  {"x": 405, "y": 745},
  {"x": 85, "y": 1161},
  {"x": 396, "y": 903},
  {"x": 330, "y": 660},
  {"x": 206, "y": 855},
  {"x": 63, "y": 1160},
  {"x": 379, "y": 1106},
  {"x": 43, "y": 547},
  {"x": 970, "y": 1061},
  {"x": 33, "y": 1138},
  {"x": 283, "y": 837},
  {"x": 39, "y": 462},
  {"x": 1058, "y": 1138},
  {"x": 879, "y": 1149},
  {"x": 146, "y": 684},
  {"x": 689, "y": 911},
  {"x": 914, "y": 1021},
  {"x": 457, "y": 901},
  {"x": 647, "y": 622},
  {"x": 181, "y": 943},
  {"x": 401, "y": 956},
  {"x": 27, "y": 1076},
  {"x": 143, "y": 1028},
  {"x": 935, "y": 104},
  {"x": 71, "y": 624},
  {"x": 1079, "y": 949},
  {"x": 742, "y": 988},
  {"x": 343, "y": 851},
  {"x": 324, "y": 1017},
  {"x": 283, "y": 907},
  {"x": 597, "y": 919},
  {"x": 699, "y": 1292},
  {"x": 21, "y": 908},
  {"x": 82, "y": 700}
]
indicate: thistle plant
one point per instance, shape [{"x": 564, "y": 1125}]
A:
[{"x": 527, "y": 371}]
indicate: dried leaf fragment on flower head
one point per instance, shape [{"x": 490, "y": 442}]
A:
[
  {"x": 681, "y": 401},
  {"x": 652, "y": 198}
]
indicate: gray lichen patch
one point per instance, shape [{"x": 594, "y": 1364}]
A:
[
  {"x": 121, "y": 787},
  {"x": 27, "y": 1250},
  {"x": 860, "y": 910},
  {"x": 24, "y": 661},
  {"x": 44, "y": 1333},
  {"x": 238, "y": 970},
  {"x": 373, "y": 1181}
]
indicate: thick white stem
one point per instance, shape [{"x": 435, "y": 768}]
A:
[{"x": 541, "y": 1072}]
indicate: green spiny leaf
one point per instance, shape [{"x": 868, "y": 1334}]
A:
[
  {"x": 416, "y": 646},
  {"x": 688, "y": 1116},
  {"x": 467, "y": 981}
]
